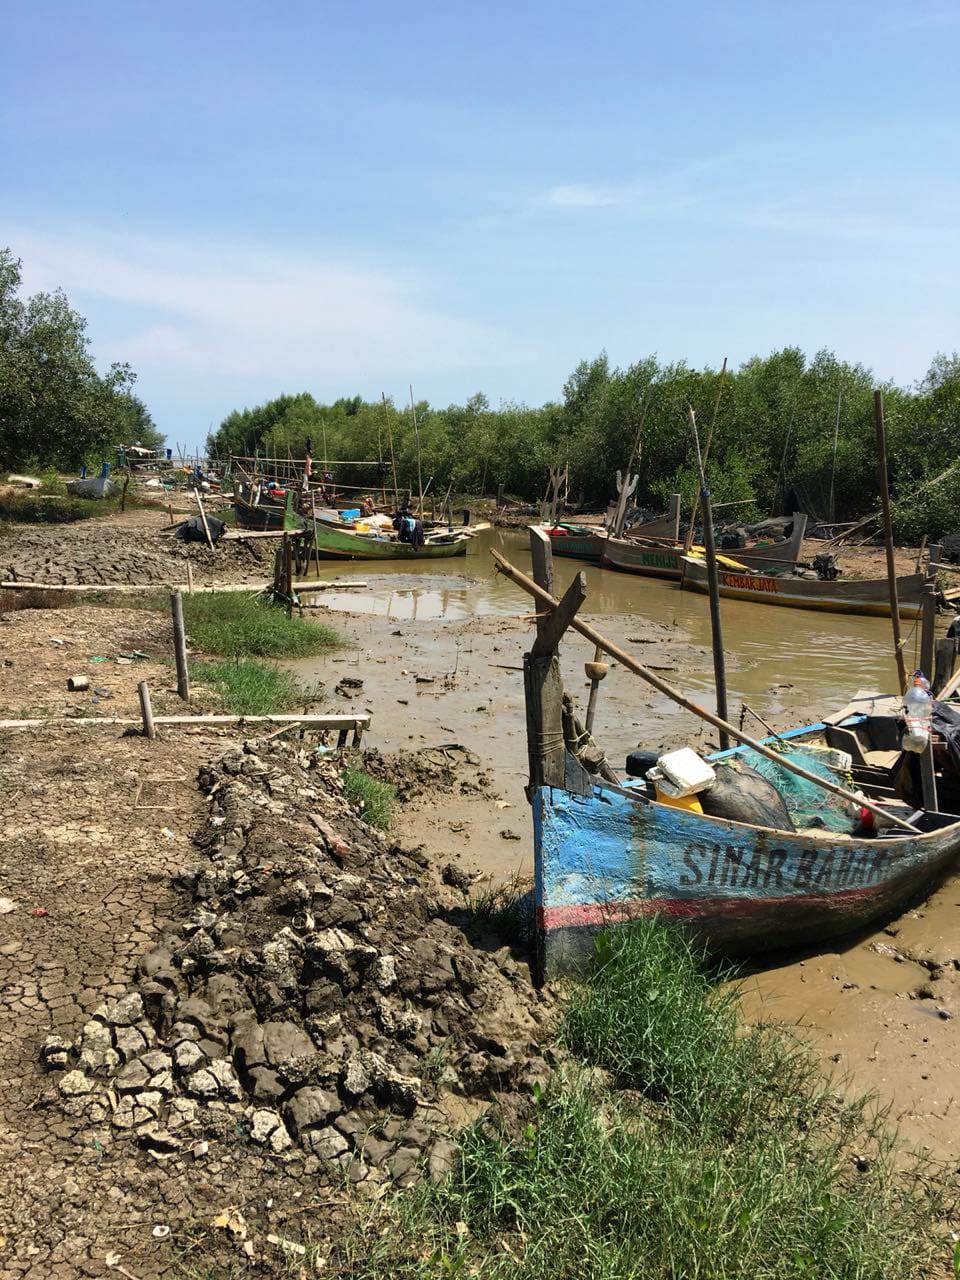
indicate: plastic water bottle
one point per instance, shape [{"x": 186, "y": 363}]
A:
[{"x": 917, "y": 712}]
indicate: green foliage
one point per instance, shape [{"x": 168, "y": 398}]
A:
[
  {"x": 601, "y": 1183},
  {"x": 249, "y": 688},
  {"x": 772, "y": 448},
  {"x": 236, "y": 624},
  {"x": 374, "y": 799},
  {"x": 34, "y": 506},
  {"x": 55, "y": 408}
]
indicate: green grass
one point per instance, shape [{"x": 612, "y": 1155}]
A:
[
  {"x": 236, "y": 624},
  {"x": 374, "y": 799},
  {"x": 682, "y": 1147},
  {"x": 249, "y": 688},
  {"x": 30, "y": 506},
  {"x": 505, "y": 909}
]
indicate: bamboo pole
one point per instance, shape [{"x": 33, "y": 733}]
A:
[
  {"x": 713, "y": 584},
  {"x": 888, "y": 535},
  {"x": 416, "y": 428},
  {"x": 627, "y": 660},
  {"x": 831, "y": 503},
  {"x": 393, "y": 459},
  {"x": 312, "y": 721},
  {"x": 180, "y": 646},
  {"x": 688, "y": 541}
]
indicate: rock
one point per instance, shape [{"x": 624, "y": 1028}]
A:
[
  {"x": 248, "y": 1045},
  {"x": 183, "y": 1111},
  {"x": 311, "y": 1107},
  {"x": 403, "y": 1161},
  {"x": 133, "y": 1075},
  {"x": 375, "y": 1150},
  {"x": 327, "y": 1144},
  {"x": 356, "y": 1078},
  {"x": 284, "y": 1042},
  {"x": 130, "y": 1042},
  {"x": 226, "y": 1079},
  {"x": 456, "y": 877},
  {"x": 188, "y": 1056},
  {"x": 384, "y": 972},
  {"x": 127, "y": 1010},
  {"x": 75, "y": 1083},
  {"x": 441, "y": 1159},
  {"x": 262, "y": 1124},
  {"x": 265, "y": 1085},
  {"x": 55, "y": 1053},
  {"x": 202, "y": 1084}
]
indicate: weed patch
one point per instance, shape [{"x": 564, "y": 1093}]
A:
[
  {"x": 234, "y": 624},
  {"x": 374, "y": 799},
  {"x": 653, "y": 1168},
  {"x": 249, "y": 688}
]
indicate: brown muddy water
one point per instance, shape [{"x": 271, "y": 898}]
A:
[{"x": 440, "y": 654}]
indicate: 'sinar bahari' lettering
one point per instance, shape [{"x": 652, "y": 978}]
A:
[{"x": 761, "y": 868}]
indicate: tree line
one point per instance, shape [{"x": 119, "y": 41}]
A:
[
  {"x": 56, "y": 409},
  {"x": 790, "y": 433}
]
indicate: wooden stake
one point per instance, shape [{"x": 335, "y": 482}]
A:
[
  {"x": 288, "y": 574},
  {"x": 713, "y": 584},
  {"x": 146, "y": 711},
  {"x": 627, "y": 660},
  {"x": 180, "y": 646},
  {"x": 313, "y": 721},
  {"x": 189, "y": 578},
  {"x": 888, "y": 535},
  {"x": 203, "y": 517},
  {"x": 313, "y": 505}
]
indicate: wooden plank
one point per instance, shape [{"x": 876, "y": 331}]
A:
[
  {"x": 550, "y": 631},
  {"x": 354, "y": 722},
  {"x": 203, "y": 517}
]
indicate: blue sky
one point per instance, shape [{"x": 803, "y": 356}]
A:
[{"x": 246, "y": 198}]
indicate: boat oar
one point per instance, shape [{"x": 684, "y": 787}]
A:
[{"x": 627, "y": 660}]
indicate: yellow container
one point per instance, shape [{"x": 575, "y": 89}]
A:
[{"x": 690, "y": 803}]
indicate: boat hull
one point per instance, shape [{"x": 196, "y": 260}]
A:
[
  {"x": 603, "y": 858},
  {"x": 666, "y": 560},
  {"x": 342, "y": 544},
  {"x": 578, "y": 542},
  {"x": 867, "y": 597},
  {"x": 267, "y": 516}
]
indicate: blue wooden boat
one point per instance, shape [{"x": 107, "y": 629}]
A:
[{"x": 612, "y": 854}]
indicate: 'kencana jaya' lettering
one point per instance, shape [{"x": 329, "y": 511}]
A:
[
  {"x": 773, "y": 869},
  {"x": 750, "y": 582}
]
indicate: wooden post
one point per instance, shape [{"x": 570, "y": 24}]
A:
[
  {"x": 170, "y": 510},
  {"x": 596, "y": 670},
  {"x": 316, "y": 553},
  {"x": 928, "y": 615},
  {"x": 123, "y": 493},
  {"x": 146, "y": 711},
  {"x": 541, "y": 556},
  {"x": 288, "y": 573},
  {"x": 928, "y": 777},
  {"x": 944, "y": 660},
  {"x": 203, "y": 517},
  {"x": 888, "y": 536},
  {"x": 713, "y": 582},
  {"x": 189, "y": 578},
  {"x": 543, "y": 691},
  {"x": 393, "y": 460},
  {"x": 180, "y": 646},
  {"x": 702, "y": 463}
]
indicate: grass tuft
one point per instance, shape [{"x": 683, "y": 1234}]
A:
[
  {"x": 374, "y": 799},
  {"x": 652, "y": 1166},
  {"x": 249, "y": 688},
  {"x": 505, "y": 909},
  {"x": 235, "y": 624}
]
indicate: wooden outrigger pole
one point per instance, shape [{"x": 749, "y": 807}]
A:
[
  {"x": 888, "y": 535},
  {"x": 688, "y": 541}
]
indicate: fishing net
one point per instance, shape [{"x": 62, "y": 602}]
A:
[{"x": 808, "y": 804}]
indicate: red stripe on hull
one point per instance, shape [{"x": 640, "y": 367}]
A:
[{"x": 592, "y": 914}]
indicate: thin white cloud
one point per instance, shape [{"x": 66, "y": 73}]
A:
[
  {"x": 581, "y": 196},
  {"x": 238, "y": 312}
]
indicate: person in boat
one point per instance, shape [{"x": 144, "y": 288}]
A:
[
  {"x": 367, "y": 507},
  {"x": 409, "y": 528}
]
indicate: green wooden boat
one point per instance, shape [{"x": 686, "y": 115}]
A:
[{"x": 333, "y": 543}]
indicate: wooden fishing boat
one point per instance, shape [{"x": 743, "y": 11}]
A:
[
  {"x": 851, "y": 595},
  {"x": 264, "y": 515},
  {"x": 581, "y": 541},
  {"x": 612, "y": 855},
  {"x": 665, "y": 560},
  {"x": 836, "y": 842},
  {"x": 342, "y": 543},
  {"x": 587, "y": 542}
]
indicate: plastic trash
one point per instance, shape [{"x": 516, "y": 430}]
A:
[
  {"x": 681, "y": 773},
  {"x": 917, "y": 714}
]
